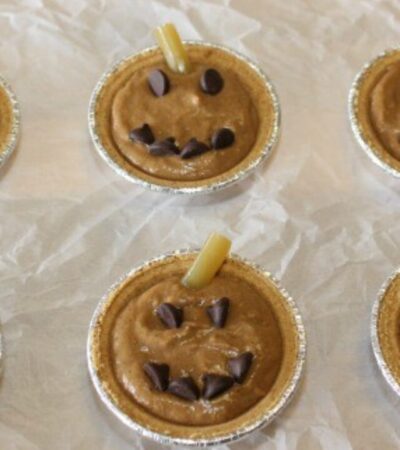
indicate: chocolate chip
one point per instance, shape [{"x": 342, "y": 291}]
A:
[
  {"x": 143, "y": 134},
  {"x": 218, "y": 312},
  {"x": 170, "y": 315},
  {"x": 158, "y": 374},
  {"x": 215, "y": 385},
  {"x": 193, "y": 148},
  {"x": 164, "y": 148},
  {"x": 158, "y": 82},
  {"x": 239, "y": 366},
  {"x": 222, "y": 138},
  {"x": 211, "y": 82},
  {"x": 185, "y": 388}
]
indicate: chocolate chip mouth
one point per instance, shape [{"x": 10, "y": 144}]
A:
[
  {"x": 221, "y": 139},
  {"x": 211, "y": 83},
  {"x": 214, "y": 384}
]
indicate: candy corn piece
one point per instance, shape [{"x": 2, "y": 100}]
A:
[
  {"x": 172, "y": 47},
  {"x": 208, "y": 261}
]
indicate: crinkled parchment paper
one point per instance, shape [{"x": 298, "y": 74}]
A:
[{"x": 319, "y": 214}]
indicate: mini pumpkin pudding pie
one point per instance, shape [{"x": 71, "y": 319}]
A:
[
  {"x": 9, "y": 121},
  {"x": 200, "y": 118},
  {"x": 386, "y": 331},
  {"x": 196, "y": 347},
  {"x": 375, "y": 110}
]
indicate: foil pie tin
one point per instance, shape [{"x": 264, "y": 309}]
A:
[
  {"x": 375, "y": 152},
  {"x": 12, "y": 139},
  {"x": 132, "y": 429},
  {"x": 181, "y": 187},
  {"x": 382, "y": 362}
]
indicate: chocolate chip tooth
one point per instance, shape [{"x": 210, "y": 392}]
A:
[
  {"x": 166, "y": 147},
  {"x": 158, "y": 82},
  {"x": 158, "y": 374},
  {"x": 143, "y": 134},
  {"x": 193, "y": 148},
  {"x": 239, "y": 366},
  {"x": 185, "y": 388},
  {"x": 170, "y": 315},
  {"x": 218, "y": 312},
  {"x": 211, "y": 82},
  {"x": 215, "y": 385},
  {"x": 222, "y": 138}
]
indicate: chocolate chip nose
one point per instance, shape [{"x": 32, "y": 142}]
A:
[
  {"x": 170, "y": 315},
  {"x": 215, "y": 385}
]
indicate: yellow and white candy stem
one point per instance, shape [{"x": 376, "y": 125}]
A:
[
  {"x": 208, "y": 261},
  {"x": 172, "y": 47}
]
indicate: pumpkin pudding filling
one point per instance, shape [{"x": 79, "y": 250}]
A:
[
  {"x": 197, "y": 357},
  {"x": 388, "y": 327},
  {"x": 185, "y": 127},
  {"x": 183, "y": 111},
  {"x": 5, "y": 118},
  {"x": 385, "y": 108}
]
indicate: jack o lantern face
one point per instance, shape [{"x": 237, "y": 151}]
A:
[
  {"x": 202, "y": 123},
  {"x": 211, "y": 83},
  {"x": 214, "y": 384},
  {"x": 197, "y": 357}
]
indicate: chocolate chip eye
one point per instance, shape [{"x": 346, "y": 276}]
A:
[
  {"x": 218, "y": 312},
  {"x": 211, "y": 82},
  {"x": 158, "y": 83},
  {"x": 170, "y": 315}
]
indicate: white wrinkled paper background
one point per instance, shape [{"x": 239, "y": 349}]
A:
[{"x": 319, "y": 215}]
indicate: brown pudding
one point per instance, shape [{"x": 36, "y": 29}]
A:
[
  {"x": 6, "y": 119},
  {"x": 377, "y": 108},
  {"x": 385, "y": 108},
  {"x": 388, "y": 327},
  {"x": 126, "y": 102},
  {"x": 197, "y": 347},
  {"x": 128, "y": 333}
]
